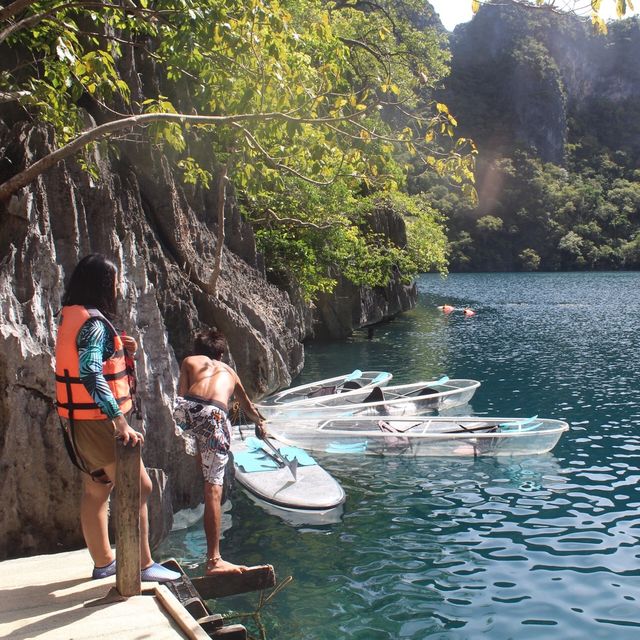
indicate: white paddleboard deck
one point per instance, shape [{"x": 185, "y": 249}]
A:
[{"x": 313, "y": 489}]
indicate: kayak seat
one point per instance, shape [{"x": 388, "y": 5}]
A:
[
  {"x": 427, "y": 403},
  {"x": 323, "y": 391},
  {"x": 393, "y": 442},
  {"x": 376, "y": 395},
  {"x": 351, "y": 384},
  {"x": 425, "y": 391}
]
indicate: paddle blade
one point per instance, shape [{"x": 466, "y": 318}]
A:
[
  {"x": 517, "y": 425},
  {"x": 353, "y": 375},
  {"x": 293, "y": 467}
]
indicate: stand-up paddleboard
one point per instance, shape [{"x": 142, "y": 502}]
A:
[{"x": 314, "y": 494}]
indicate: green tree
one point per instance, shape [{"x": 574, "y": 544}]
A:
[
  {"x": 630, "y": 252},
  {"x": 529, "y": 260},
  {"x": 278, "y": 92}
]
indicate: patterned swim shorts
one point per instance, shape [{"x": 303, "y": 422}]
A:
[{"x": 206, "y": 430}]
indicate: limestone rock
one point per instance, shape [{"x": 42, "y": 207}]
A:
[
  {"x": 162, "y": 240},
  {"x": 162, "y": 237},
  {"x": 351, "y": 306}
]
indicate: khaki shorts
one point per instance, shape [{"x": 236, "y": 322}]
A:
[{"x": 95, "y": 442}]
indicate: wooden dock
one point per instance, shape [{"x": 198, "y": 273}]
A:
[
  {"x": 53, "y": 597},
  {"x": 45, "y": 597}
]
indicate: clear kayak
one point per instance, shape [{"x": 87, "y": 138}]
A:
[
  {"x": 422, "y": 435},
  {"x": 355, "y": 381},
  {"x": 414, "y": 398}
]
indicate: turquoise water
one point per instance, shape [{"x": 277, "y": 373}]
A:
[{"x": 535, "y": 547}]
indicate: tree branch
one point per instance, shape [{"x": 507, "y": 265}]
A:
[
  {"x": 296, "y": 222},
  {"x": 6, "y": 13},
  {"x": 105, "y": 130},
  {"x": 275, "y": 164},
  {"x": 12, "y": 96},
  {"x": 30, "y": 21}
]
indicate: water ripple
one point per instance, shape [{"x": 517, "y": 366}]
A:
[{"x": 453, "y": 549}]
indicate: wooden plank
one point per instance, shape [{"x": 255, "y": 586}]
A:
[
  {"x": 211, "y": 622},
  {"x": 44, "y": 596},
  {"x": 128, "y": 519},
  {"x": 228, "y": 584},
  {"x": 187, "y": 623}
]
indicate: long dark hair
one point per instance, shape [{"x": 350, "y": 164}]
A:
[{"x": 92, "y": 284}]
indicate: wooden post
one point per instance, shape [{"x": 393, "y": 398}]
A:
[{"x": 127, "y": 519}]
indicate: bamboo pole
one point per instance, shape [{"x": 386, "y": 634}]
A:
[{"x": 128, "y": 519}]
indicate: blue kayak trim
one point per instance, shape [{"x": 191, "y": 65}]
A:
[{"x": 340, "y": 447}]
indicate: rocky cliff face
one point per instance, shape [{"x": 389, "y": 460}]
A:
[
  {"x": 349, "y": 306},
  {"x": 162, "y": 237},
  {"x": 162, "y": 240},
  {"x": 505, "y": 87},
  {"x": 522, "y": 77}
]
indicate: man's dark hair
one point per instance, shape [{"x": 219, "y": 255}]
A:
[
  {"x": 93, "y": 284},
  {"x": 210, "y": 343}
]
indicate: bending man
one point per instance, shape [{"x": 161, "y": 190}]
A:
[{"x": 205, "y": 388}]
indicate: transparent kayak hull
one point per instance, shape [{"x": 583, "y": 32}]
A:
[
  {"x": 416, "y": 398},
  {"x": 423, "y": 435},
  {"x": 355, "y": 381}
]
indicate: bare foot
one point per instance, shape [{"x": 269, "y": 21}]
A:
[{"x": 218, "y": 565}]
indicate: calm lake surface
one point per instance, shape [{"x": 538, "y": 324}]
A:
[{"x": 535, "y": 547}]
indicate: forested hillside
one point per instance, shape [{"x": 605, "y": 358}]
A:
[{"x": 554, "y": 108}]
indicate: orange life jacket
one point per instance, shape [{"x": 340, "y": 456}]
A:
[{"x": 72, "y": 398}]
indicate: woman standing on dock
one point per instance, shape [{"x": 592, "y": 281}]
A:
[{"x": 94, "y": 398}]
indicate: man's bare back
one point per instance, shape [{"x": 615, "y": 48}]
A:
[
  {"x": 207, "y": 379},
  {"x": 212, "y": 380},
  {"x": 204, "y": 377}
]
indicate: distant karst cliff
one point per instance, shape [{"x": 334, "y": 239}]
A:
[
  {"x": 554, "y": 108},
  {"x": 528, "y": 77}
]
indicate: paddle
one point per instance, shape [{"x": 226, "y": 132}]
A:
[
  {"x": 519, "y": 424},
  {"x": 383, "y": 375},
  {"x": 291, "y": 465},
  {"x": 350, "y": 382},
  {"x": 276, "y": 455}
]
